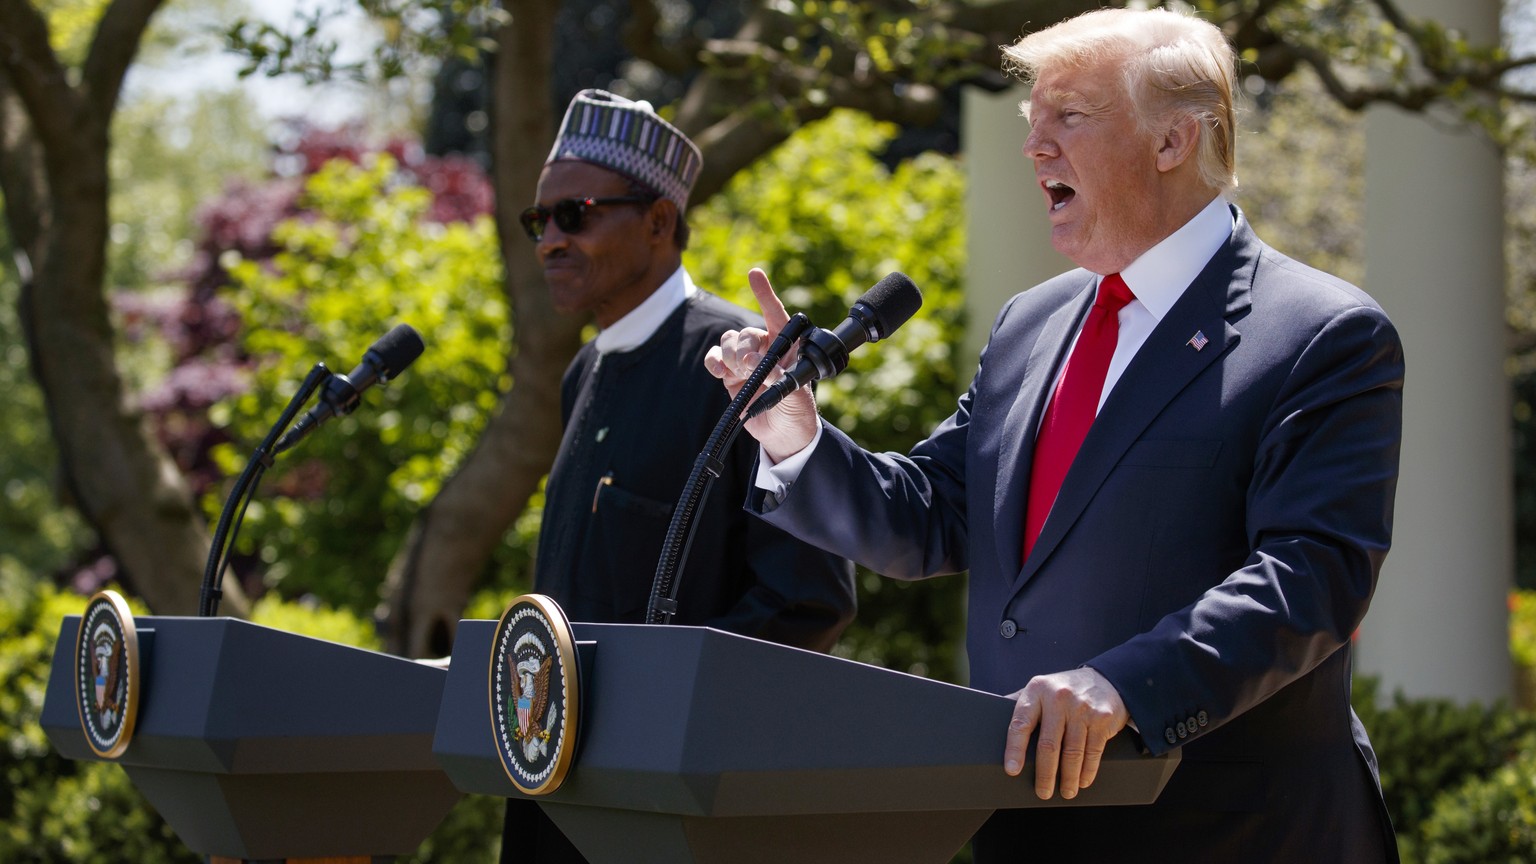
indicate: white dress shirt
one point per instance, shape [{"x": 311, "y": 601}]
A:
[
  {"x": 1158, "y": 279},
  {"x": 633, "y": 329}
]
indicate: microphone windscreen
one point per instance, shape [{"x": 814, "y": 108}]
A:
[
  {"x": 893, "y": 300},
  {"x": 398, "y": 349}
]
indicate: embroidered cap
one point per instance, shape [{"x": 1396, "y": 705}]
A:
[{"x": 630, "y": 138}]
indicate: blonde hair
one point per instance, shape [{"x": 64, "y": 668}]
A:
[{"x": 1173, "y": 66}]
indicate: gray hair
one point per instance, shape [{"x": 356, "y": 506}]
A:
[{"x": 1173, "y": 66}]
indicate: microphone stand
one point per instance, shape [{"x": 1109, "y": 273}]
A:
[
  {"x": 244, "y": 491},
  {"x": 706, "y": 469}
]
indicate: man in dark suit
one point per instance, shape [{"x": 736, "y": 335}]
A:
[{"x": 1171, "y": 479}]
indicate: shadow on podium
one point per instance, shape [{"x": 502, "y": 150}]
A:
[
  {"x": 694, "y": 745},
  {"x": 256, "y": 744},
  {"x": 697, "y": 745}
]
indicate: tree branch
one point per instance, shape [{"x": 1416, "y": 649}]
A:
[
  {"x": 36, "y": 75},
  {"x": 21, "y": 172},
  {"x": 1358, "y": 98},
  {"x": 642, "y": 38},
  {"x": 738, "y": 138},
  {"x": 1396, "y": 18},
  {"x": 113, "y": 48}
]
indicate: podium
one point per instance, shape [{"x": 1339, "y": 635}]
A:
[
  {"x": 257, "y": 744},
  {"x": 697, "y": 745}
]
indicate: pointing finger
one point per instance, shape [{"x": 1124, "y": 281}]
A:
[{"x": 774, "y": 314}]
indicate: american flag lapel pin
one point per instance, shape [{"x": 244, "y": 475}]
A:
[{"x": 1198, "y": 340}]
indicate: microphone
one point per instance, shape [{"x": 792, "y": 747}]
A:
[
  {"x": 384, "y": 360},
  {"x": 824, "y": 353}
]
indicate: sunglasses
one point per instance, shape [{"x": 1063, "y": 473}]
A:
[{"x": 569, "y": 213}]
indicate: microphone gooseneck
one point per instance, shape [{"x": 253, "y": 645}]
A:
[
  {"x": 706, "y": 468},
  {"x": 384, "y": 360},
  {"x": 824, "y": 353}
]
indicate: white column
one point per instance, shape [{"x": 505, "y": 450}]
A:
[
  {"x": 1008, "y": 235},
  {"x": 1434, "y": 260}
]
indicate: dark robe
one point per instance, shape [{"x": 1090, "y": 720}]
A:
[{"x": 635, "y": 421}]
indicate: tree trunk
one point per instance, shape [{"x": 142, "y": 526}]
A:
[
  {"x": 445, "y": 551},
  {"x": 448, "y": 544},
  {"x": 56, "y": 191}
]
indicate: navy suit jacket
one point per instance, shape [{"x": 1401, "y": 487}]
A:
[{"x": 1213, "y": 548}]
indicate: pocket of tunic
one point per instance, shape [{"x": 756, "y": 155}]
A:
[{"x": 628, "y": 530}]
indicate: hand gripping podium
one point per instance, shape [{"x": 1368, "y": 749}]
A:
[
  {"x": 697, "y": 745},
  {"x": 258, "y": 744}
]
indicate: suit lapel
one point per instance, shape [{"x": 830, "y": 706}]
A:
[
  {"x": 1161, "y": 369},
  {"x": 1018, "y": 445}
]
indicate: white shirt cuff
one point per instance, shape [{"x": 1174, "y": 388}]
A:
[{"x": 776, "y": 478}]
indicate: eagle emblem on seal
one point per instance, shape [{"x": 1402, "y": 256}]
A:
[
  {"x": 530, "y": 664},
  {"x": 533, "y": 693},
  {"x": 108, "y": 662}
]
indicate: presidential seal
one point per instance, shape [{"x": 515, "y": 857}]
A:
[
  {"x": 107, "y": 682},
  {"x": 534, "y": 693}
]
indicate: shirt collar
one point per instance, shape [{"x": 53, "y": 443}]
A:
[
  {"x": 1158, "y": 278},
  {"x": 633, "y": 329}
]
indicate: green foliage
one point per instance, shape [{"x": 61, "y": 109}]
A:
[
  {"x": 1314, "y": 209},
  {"x": 169, "y": 155},
  {"x": 1426, "y": 746},
  {"x": 1490, "y": 819},
  {"x": 364, "y": 260},
  {"x": 71, "y": 23},
  {"x": 826, "y": 40},
  {"x": 825, "y": 219},
  {"x": 412, "y": 34},
  {"x": 55, "y": 811},
  {"x": 469, "y": 834},
  {"x": 94, "y": 816},
  {"x": 1522, "y": 628},
  {"x": 40, "y": 534},
  {"x": 28, "y": 629},
  {"x": 310, "y": 618}
]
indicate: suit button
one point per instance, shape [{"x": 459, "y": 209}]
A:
[
  {"x": 1169, "y": 735},
  {"x": 1203, "y": 719},
  {"x": 1008, "y": 629},
  {"x": 1183, "y": 730}
]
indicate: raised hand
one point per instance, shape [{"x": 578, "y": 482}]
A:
[{"x": 791, "y": 425}]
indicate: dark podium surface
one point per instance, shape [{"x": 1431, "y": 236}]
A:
[
  {"x": 259, "y": 744},
  {"x": 700, "y": 745}
]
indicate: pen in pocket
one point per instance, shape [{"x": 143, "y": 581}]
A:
[{"x": 605, "y": 480}]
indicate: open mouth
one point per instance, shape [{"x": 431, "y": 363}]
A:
[{"x": 1060, "y": 193}]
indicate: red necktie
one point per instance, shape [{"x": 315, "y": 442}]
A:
[{"x": 1074, "y": 404}]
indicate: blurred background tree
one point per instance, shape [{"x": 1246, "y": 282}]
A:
[
  {"x": 741, "y": 77},
  {"x": 367, "y": 250},
  {"x": 184, "y": 264},
  {"x": 827, "y": 219}
]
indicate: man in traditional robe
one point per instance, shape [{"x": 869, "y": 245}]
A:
[{"x": 638, "y": 408}]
